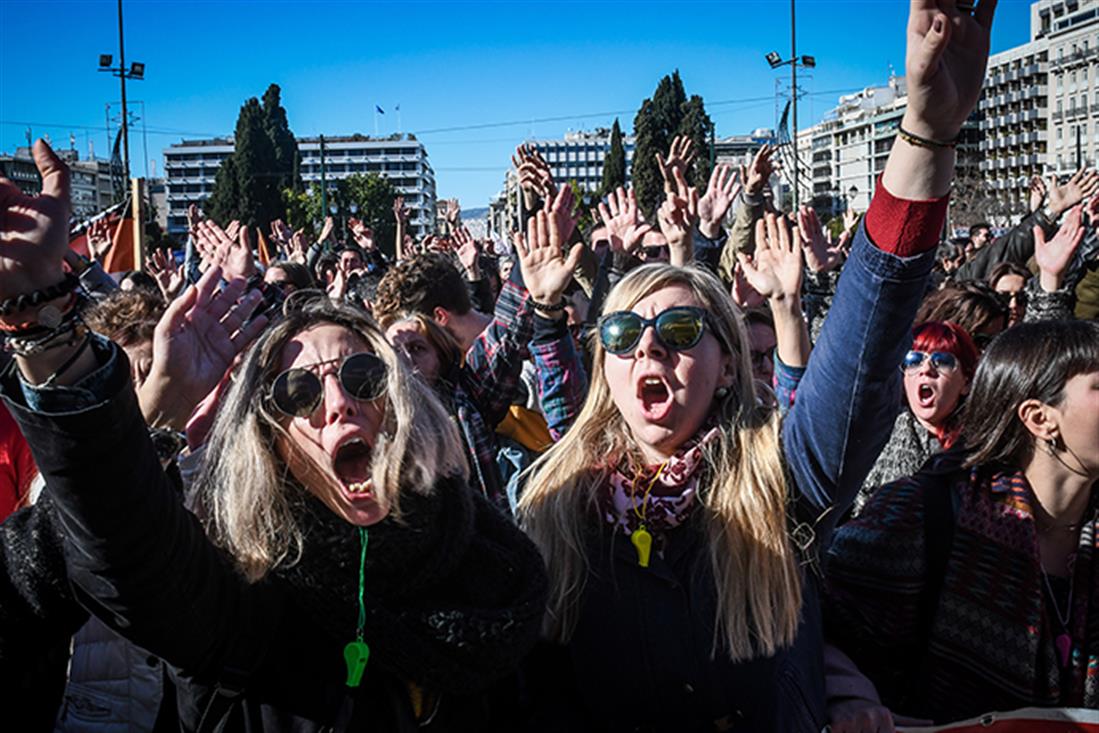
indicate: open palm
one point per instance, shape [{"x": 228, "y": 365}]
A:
[
  {"x": 775, "y": 268},
  {"x": 34, "y": 230}
]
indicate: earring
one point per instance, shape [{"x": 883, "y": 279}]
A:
[
  {"x": 1051, "y": 445},
  {"x": 721, "y": 393}
]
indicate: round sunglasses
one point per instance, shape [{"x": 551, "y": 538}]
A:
[
  {"x": 943, "y": 361},
  {"x": 677, "y": 329},
  {"x": 297, "y": 392}
]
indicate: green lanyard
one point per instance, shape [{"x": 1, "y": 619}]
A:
[{"x": 356, "y": 653}]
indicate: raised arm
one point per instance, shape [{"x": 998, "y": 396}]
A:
[{"x": 849, "y": 394}]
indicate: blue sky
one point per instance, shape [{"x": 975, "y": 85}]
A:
[{"x": 448, "y": 65}]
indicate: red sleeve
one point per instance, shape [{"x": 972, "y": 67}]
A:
[
  {"x": 904, "y": 228},
  {"x": 17, "y": 468}
]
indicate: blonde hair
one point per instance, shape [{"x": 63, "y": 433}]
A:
[
  {"x": 743, "y": 489},
  {"x": 245, "y": 490}
]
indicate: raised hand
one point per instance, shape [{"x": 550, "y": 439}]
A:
[
  {"x": 546, "y": 270},
  {"x": 677, "y": 215},
  {"x": 400, "y": 213},
  {"x": 680, "y": 156},
  {"x": 714, "y": 205},
  {"x": 1083, "y": 184},
  {"x": 945, "y": 62},
  {"x": 757, "y": 175},
  {"x": 535, "y": 176},
  {"x": 622, "y": 219},
  {"x": 468, "y": 252},
  {"x": 327, "y": 229},
  {"x": 560, "y": 210},
  {"x": 774, "y": 270},
  {"x": 99, "y": 239},
  {"x": 452, "y": 212},
  {"x": 743, "y": 293},
  {"x": 194, "y": 344},
  {"x": 1038, "y": 193},
  {"x": 163, "y": 268},
  {"x": 232, "y": 253},
  {"x": 280, "y": 235},
  {"x": 820, "y": 255},
  {"x": 298, "y": 246},
  {"x": 1054, "y": 256},
  {"x": 361, "y": 233},
  {"x": 34, "y": 230}
]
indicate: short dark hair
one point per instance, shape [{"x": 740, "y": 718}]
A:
[
  {"x": 978, "y": 227},
  {"x": 421, "y": 284},
  {"x": 1007, "y": 268},
  {"x": 1031, "y": 361},
  {"x": 970, "y": 304},
  {"x": 297, "y": 273}
]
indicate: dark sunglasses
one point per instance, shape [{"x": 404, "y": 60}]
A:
[
  {"x": 678, "y": 329},
  {"x": 943, "y": 361},
  {"x": 298, "y": 392}
]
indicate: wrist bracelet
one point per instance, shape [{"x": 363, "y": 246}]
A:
[
  {"x": 26, "y": 301},
  {"x": 923, "y": 142},
  {"x": 70, "y": 361},
  {"x": 540, "y": 308}
]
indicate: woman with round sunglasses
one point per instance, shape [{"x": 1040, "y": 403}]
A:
[
  {"x": 937, "y": 372},
  {"x": 973, "y": 585},
  {"x": 344, "y": 575},
  {"x": 679, "y": 520}
]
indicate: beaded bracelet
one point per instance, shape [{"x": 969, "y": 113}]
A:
[
  {"x": 539, "y": 308},
  {"x": 26, "y": 301}
]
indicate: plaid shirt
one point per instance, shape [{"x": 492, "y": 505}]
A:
[
  {"x": 489, "y": 382},
  {"x": 562, "y": 380}
]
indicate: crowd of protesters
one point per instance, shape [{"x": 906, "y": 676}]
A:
[{"x": 712, "y": 470}]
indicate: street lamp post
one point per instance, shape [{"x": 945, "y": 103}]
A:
[
  {"x": 136, "y": 71},
  {"x": 775, "y": 60}
]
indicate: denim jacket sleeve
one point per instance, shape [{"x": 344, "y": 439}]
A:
[{"x": 847, "y": 400}]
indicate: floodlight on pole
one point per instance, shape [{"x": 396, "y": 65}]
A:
[
  {"x": 774, "y": 59},
  {"x": 136, "y": 70},
  {"x": 105, "y": 60}
]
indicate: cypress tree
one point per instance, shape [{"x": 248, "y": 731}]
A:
[
  {"x": 286, "y": 147},
  {"x": 614, "y": 162},
  {"x": 257, "y": 169},
  {"x": 666, "y": 114},
  {"x": 223, "y": 204}
]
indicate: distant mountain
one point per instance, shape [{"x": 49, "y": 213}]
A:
[{"x": 480, "y": 213}]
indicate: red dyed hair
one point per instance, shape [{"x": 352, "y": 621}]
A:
[{"x": 950, "y": 337}]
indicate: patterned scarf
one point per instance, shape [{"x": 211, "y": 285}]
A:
[{"x": 658, "y": 497}]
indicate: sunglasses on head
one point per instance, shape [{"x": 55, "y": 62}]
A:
[
  {"x": 943, "y": 361},
  {"x": 299, "y": 391},
  {"x": 678, "y": 329}
]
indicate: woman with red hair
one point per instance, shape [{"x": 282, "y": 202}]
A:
[{"x": 937, "y": 373}]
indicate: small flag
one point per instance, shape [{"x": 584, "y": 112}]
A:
[{"x": 380, "y": 110}]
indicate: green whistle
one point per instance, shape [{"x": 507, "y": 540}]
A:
[{"x": 356, "y": 653}]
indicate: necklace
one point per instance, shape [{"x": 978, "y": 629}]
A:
[
  {"x": 1062, "y": 641},
  {"x": 641, "y": 538}
]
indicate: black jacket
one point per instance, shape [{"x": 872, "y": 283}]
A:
[{"x": 454, "y": 597}]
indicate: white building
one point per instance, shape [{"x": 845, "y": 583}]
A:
[
  {"x": 190, "y": 168},
  {"x": 579, "y": 157},
  {"x": 1070, "y": 31}
]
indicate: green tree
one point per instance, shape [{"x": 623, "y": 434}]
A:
[
  {"x": 224, "y": 203},
  {"x": 257, "y": 168},
  {"x": 373, "y": 196},
  {"x": 287, "y": 157},
  {"x": 663, "y": 116},
  {"x": 614, "y": 162}
]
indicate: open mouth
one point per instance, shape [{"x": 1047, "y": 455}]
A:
[
  {"x": 352, "y": 466},
  {"x": 925, "y": 394},
  {"x": 655, "y": 397}
]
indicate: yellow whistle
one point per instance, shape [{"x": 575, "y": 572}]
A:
[{"x": 643, "y": 542}]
